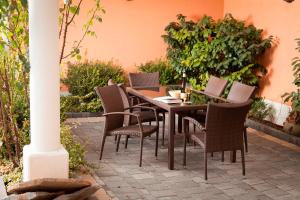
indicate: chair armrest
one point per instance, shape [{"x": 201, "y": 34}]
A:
[
  {"x": 121, "y": 113},
  {"x": 145, "y": 108},
  {"x": 195, "y": 122},
  {"x": 143, "y": 104},
  {"x": 127, "y": 113}
]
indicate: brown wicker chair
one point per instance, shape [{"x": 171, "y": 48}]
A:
[
  {"x": 148, "y": 81},
  {"x": 114, "y": 113},
  {"x": 240, "y": 93},
  {"x": 223, "y": 130},
  {"x": 146, "y": 115},
  {"x": 215, "y": 86},
  {"x": 144, "y": 80}
]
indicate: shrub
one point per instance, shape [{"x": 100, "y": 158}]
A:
[
  {"x": 83, "y": 77},
  {"x": 167, "y": 74},
  {"x": 225, "y": 48},
  {"x": 81, "y": 80},
  {"x": 261, "y": 110},
  {"x": 294, "y": 97},
  {"x": 75, "y": 150}
]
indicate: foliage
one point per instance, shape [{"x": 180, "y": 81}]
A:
[
  {"x": 68, "y": 13},
  {"x": 167, "y": 74},
  {"x": 75, "y": 150},
  {"x": 14, "y": 115},
  {"x": 294, "y": 97},
  {"x": 261, "y": 110},
  {"x": 82, "y": 78},
  {"x": 10, "y": 174},
  {"x": 87, "y": 103},
  {"x": 14, "y": 73},
  {"x": 225, "y": 48}
]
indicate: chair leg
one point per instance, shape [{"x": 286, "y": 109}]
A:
[
  {"x": 184, "y": 150},
  {"x": 163, "y": 131},
  {"x": 102, "y": 146},
  {"x": 118, "y": 143},
  {"x": 212, "y": 154},
  {"x": 246, "y": 139},
  {"x": 222, "y": 156},
  {"x": 126, "y": 141},
  {"x": 116, "y": 137},
  {"x": 156, "y": 143},
  {"x": 141, "y": 150},
  {"x": 243, "y": 161},
  {"x": 205, "y": 165}
]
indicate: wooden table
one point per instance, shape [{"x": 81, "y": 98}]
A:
[{"x": 147, "y": 94}]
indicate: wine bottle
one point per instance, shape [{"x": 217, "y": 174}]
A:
[{"x": 183, "y": 82}]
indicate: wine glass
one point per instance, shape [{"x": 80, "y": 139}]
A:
[{"x": 188, "y": 90}]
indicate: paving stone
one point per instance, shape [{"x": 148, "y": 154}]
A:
[{"x": 272, "y": 169}]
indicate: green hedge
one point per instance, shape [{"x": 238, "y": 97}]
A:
[
  {"x": 83, "y": 77},
  {"x": 167, "y": 73},
  {"x": 81, "y": 80},
  {"x": 225, "y": 48}
]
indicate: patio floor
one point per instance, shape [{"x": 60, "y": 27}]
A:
[{"x": 272, "y": 169}]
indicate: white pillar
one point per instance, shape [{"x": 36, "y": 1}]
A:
[{"x": 44, "y": 157}]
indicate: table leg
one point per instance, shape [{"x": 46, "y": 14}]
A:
[
  {"x": 233, "y": 156},
  {"x": 179, "y": 124},
  {"x": 171, "y": 140}
]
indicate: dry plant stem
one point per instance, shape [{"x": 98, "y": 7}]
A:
[
  {"x": 10, "y": 116},
  {"x": 83, "y": 36},
  {"x": 66, "y": 23},
  {"x": 6, "y": 135}
]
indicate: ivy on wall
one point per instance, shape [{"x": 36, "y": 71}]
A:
[{"x": 225, "y": 48}]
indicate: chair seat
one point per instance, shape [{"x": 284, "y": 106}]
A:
[
  {"x": 146, "y": 116},
  {"x": 134, "y": 130}
]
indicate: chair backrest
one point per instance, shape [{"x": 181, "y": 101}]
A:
[
  {"x": 125, "y": 99},
  {"x": 240, "y": 92},
  {"x": 225, "y": 125},
  {"x": 112, "y": 102},
  {"x": 144, "y": 79},
  {"x": 215, "y": 86}
]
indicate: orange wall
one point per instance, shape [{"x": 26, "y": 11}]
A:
[
  {"x": 131, "y": 30},
  {"x": 282, "y": 20}
]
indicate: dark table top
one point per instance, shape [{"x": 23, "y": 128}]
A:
[{"x": 196, "y": 100}]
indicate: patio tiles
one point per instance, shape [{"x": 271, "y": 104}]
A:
[{"x": 272, "y": 169}]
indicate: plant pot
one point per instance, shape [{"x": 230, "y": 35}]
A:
[{"x": 291, "y": 128}]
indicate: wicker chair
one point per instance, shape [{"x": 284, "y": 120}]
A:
[
  {"x": 223, "y": 130},
  {"x": 146, "y": 115},
  {"x": 148, "y": 81},
  {"x": 144, "y": 80},
  {"x": 240, "y": 93},
  {"x": 215, "y": 86},
  {"x": 114, "y": 113}
]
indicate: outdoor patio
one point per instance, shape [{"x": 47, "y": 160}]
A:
[{"x": 272, "y": 168}]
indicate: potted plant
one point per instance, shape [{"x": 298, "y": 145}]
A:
[{"x": 292, "y": 124}]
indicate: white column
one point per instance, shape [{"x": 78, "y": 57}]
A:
[{"x": 44, "y": 157}]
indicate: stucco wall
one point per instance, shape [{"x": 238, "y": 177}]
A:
[
  {"x": 131, "y": 30},
  {"x": 281, "y": 20}
]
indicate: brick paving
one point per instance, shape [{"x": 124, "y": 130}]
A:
[{"x": 272, "y": 169}]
